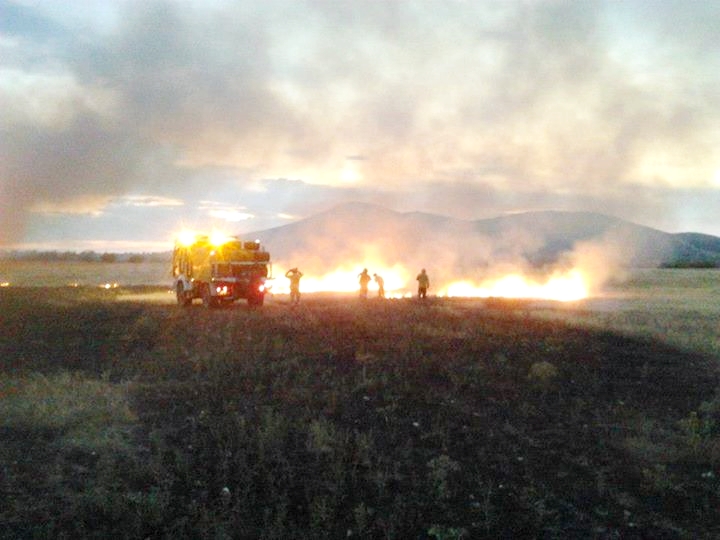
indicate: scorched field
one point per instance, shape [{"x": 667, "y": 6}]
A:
[{"x": 400, "y": 419}]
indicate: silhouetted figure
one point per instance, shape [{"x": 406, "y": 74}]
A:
[
  {"x": 364, "y": 279},
  {"x": 381, "y": 285},
  {"x": 423, "y": 284},
  {"x": 294, "y": 276}
]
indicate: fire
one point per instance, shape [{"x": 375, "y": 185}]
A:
[
  {"x": 566, "y": 287},
  {"x": 344, "y": 279},
  {"x": 399, "y": 282},
  {"x": 109, "y": 286}
]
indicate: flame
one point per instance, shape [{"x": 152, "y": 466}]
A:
[
  {"x": 566, "y": 287},
  {"x": 109, "y": 286},
  {"x": 344, "y": 279}
]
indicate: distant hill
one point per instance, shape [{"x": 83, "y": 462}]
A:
[
  {"x": 353, "y": 233},
  {"x": 357, "y": 231},
  {"x": 694, "y": 249}
]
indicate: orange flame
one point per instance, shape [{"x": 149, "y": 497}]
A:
[
  {"x": 344, "y": 279},
  {"x": 566, "y": 287},
  {"x": 399, "y": 282}
]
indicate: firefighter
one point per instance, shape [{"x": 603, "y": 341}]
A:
[
  {"x": 364, "y": 279},
  {"x": 381, "y": 285},
  {"x": 423, "y": 284},
  {"x": 294, "y": 276}
]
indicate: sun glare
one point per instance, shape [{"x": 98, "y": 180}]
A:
[{"x": 350, "y": 175}]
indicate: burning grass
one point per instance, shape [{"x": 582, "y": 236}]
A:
[{"x": 396, "y": 419}]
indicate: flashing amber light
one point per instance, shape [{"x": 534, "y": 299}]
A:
[
  {"x": 186, "y": 238},
  {"x": 218, "y": 238}
]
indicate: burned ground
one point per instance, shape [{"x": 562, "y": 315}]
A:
[{"x": 377, "y": 419}]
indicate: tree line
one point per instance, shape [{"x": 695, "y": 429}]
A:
[{"x": 82, "y": 256}]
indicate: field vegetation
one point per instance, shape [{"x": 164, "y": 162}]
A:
[
  {"x": 338, "y": 418},
  {"x": 678, "y": 307},
  {"x": 83, "y": 273}
]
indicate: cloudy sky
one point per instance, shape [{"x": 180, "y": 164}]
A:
[{"x": 123, "y": 121}]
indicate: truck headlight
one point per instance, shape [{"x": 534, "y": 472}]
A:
[{"x": 221, "y": 290}]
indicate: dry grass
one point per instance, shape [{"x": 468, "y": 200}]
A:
[
  {"x": 679, "y": 307},
  {"x": 397, "y": 419}
]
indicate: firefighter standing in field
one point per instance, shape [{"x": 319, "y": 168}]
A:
[
  {"x": 423, "y": 284},
  {"x": 381, "y": 285},
  {"x": 294, "y": 276},
  {"x": 364, "y": 279}
]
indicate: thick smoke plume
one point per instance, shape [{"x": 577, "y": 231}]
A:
[
  {"x": 468, "y": 109},
  {"x": 539, "y": 246}
]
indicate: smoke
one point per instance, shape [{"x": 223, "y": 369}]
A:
[
  {"x": 351, "y": 237},
  {"x": 602, "y": 262},
  {"x": 466, "y": 109},
  {"x": 58, "y": 171}
]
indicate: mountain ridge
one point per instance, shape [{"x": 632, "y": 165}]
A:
[
  {"x": 353, "y": 231},
  {"x": 535, "y": 238}
]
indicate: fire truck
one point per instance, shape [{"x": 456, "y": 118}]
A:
[{"x": 220, "y": 270}]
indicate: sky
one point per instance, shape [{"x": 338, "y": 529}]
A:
[{"x": 124, "y": 121}]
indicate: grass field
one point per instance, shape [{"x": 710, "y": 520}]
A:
[
  {"x": 398, "y": 419},
  {"x": 679, "y": 307},
  {"x": 82, "y": 274}
]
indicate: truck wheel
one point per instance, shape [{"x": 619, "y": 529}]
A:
[
  {"x": 182, "y": 298},
  {"x": 207, "y": 299},
  {"x": 256, "y": 300}
]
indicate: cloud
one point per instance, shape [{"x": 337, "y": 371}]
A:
[
  {"x": 225, "y": 212},
  {"x": 517, "y": 104},
  {"x": 148, "y": 201}
]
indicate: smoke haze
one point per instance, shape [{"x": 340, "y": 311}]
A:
[
  {"x": 253, "y": 114},
  {"x": 539, "y": 245}
]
